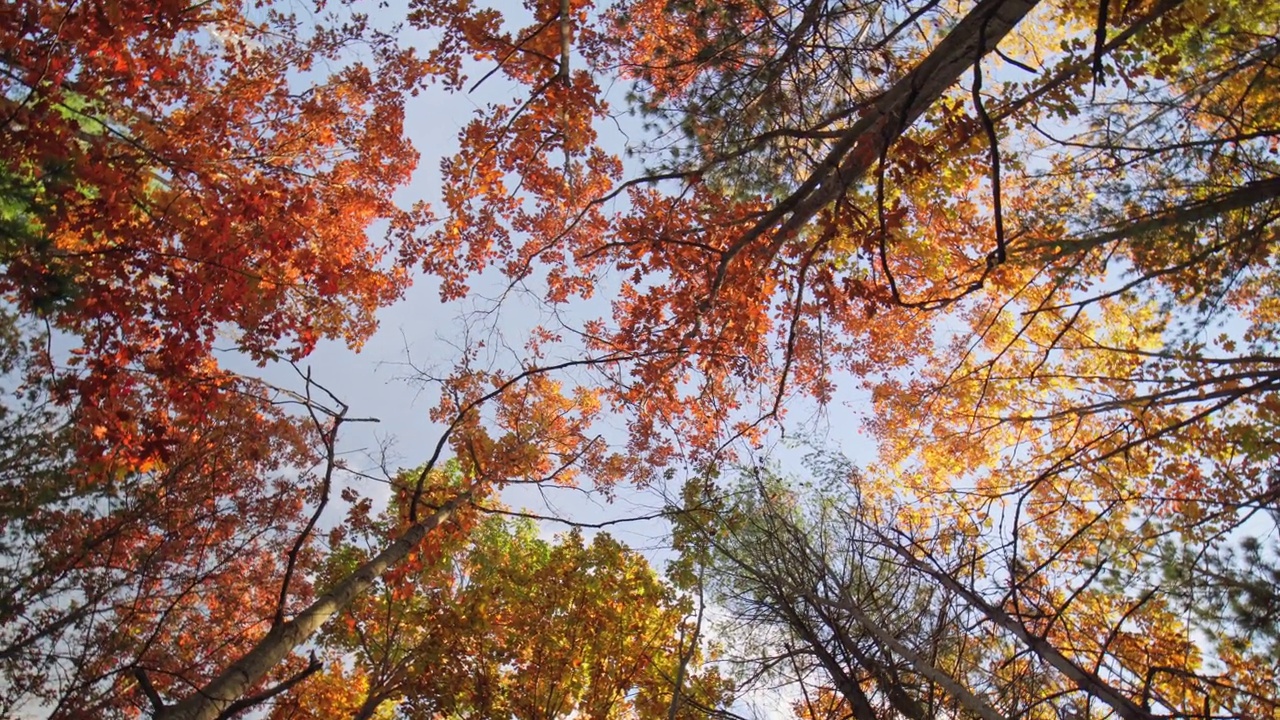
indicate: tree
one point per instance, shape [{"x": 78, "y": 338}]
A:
[
  {"x": 510, "y": 625},
  {"x": 919, "y": 192},
  {"x": 160, "y": 570},
  {"x": 817, "y": 606},
  {"x": 1019, "y": 271},
  {"x": 862, "y": 619},
  {"x": 36, "y": 445},
  {"x": 1243, "y": 588},
  {"x": 172, "y": 173},
  {"x": 763, "y": 293},
  {"x": 1229, "y": 596},
  {"x": 173, "y": 582},
  {"x": 705, "y": 300},
  {"x": 1040, "y": 234}
]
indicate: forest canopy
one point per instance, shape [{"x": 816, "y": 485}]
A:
[{"x": 1018, "y": 256}]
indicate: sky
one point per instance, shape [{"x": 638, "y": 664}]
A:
[{"x": 418, "y": 333}]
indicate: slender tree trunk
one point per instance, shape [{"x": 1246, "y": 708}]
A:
[
  {"x": 243, "y": 675},
  {"x": 1083, "y": 678},
  {"x": 971, "y": 702},
  {"x": 858, "y": 150}
]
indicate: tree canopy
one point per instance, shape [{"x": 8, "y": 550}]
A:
[{"x": 1028, "y": 245}]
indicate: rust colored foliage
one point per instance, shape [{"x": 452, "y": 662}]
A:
[
  {"x": 174, "y": 569},
  {"x": 1038, "y": 235},
  {"x": 189, "y": 173},
  {"x": 176, "y": 177}
]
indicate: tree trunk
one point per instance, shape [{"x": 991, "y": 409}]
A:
[
  {"x": 209, "y": 702},
  {"x": 861, "y": 146}
]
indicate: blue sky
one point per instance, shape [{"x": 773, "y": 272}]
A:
[{"x": 421, "y": 333}]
